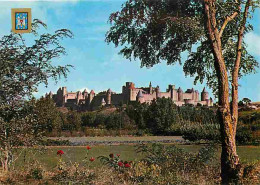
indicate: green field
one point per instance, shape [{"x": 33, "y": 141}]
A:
[{"x": 48, "y": 157}]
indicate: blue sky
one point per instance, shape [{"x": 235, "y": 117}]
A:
[{"x": 97, "y": 65}]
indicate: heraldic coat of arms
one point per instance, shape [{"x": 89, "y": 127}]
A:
[{"x": 21, "y": 20}]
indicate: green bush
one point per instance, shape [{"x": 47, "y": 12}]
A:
[
  {"x": 168, "y": 164},
  {"x": 88, "y": 119},
  {"x": 114, "y": 121}
]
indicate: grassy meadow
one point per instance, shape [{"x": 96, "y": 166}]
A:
[{"x": 48, "y": 158}]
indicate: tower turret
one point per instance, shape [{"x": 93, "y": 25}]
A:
[
  {"x": 140, "y": 97},
  {"x": 64, "y": 91},
  {"x": 193, "y": 94},
  {"x": 158, "y": 92},
  {"x": 131, "y": 88},
  {"x": 91, "y": 96},
  {"x": 78, "y": 96},
  {"x": 204, "y": 95},
  {"x": 109, "y": 93},
  {"x": 103, "y": 103},
  {"x": 150, "y": 88},
  {"x": 197, "y": 95},
  {"x": 85, "y": 94},
  {"x": 50, "y": 94},
  {"x": 171, "y": 91},
  {"x": 180, "y": 94}
]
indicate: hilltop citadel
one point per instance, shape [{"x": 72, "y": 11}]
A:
[{"x": 90, "y": 101}]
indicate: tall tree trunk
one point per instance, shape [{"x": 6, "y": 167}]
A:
[{"x": 230, "y": 166}]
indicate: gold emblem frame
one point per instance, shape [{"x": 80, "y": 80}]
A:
[{"x": 22, "y": 10}]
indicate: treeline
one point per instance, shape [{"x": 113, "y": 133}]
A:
[
  {"x": 161, "y": 117},
  {"x": 57, "y": 123}
]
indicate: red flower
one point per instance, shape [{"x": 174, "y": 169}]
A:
[
  {"x": 60, "y": 152},
  {"x": 118, "y": 155},
  {"x": 127, "y": 165},
  {"x": 92, "y": 159},
  {"x": 120, "y": 163},
  {"x": 111, "y": 155},
  {"x": 88, "y": 147}
]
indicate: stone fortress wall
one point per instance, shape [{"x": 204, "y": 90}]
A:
[{"x": 90, "y": 101}]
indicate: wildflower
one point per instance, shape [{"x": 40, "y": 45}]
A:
[
  {"x": 118, "y": 155},
  {"x": 88, "y": 147},
  {"x": 111, "y": 155},
  {"x": 120, "y": 164},
  {"x": 127, "y": 165},
  {"x": 92, "y": 159},
  {"x": 60, "y": 152}
]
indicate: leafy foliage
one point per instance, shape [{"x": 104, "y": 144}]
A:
[
  {"x": 171, "y": 161},
  {"x": 155, "y": 31},
  {"x": 23, "y": 68},
  {"x": 47, "y": 114}
]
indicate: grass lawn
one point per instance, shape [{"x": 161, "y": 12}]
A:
[{"x": 48, "y": 158}]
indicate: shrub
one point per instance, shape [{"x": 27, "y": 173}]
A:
[
  {"x": 161, "y": 114},
  {"x": 88, "y": 119},
  {"x": 114, "y": 121},
  {"x": 172, "y": 165}
]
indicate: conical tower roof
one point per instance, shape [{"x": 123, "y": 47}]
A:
[
  {"x": 132, "y": 86},
  {"x": 103, "y": 100},
  {"x": 92, "y": 92},
  {"x": 109, "y": 90},
  {"x": 204, "y": 90},
  {"x": 140, "y": 94}
]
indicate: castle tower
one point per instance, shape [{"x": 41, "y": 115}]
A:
[
  {"x": 150, "y": 88},
  {"x": 64, "y": 92},
  {"x": 131, "y": 89},
  {"x": 197, "y": 95},
  {"x": 78, "y": 96},
  {"x": 91, "y": 96},
  {"x": 171, "y": 91},
  {"x": 158, "y": 92},
  {"x": 180, "y": 94},
  {"x": 85, "y": 94},
  {"x": 103, "y": 103},
  {"x": 193, "y": 94},
  {"x": 109, "y": 93},
  {"x": 204, "y": 95},
  {"x": 50, "y": 94},
  {"x": 140, "y": 97}
]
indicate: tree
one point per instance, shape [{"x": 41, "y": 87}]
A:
[
  {"x": 74, "y": 121},
  {"x": 156, "y": 30},
  {"x": 47, "y": 114},
  {"x": 246, "y": 101},
  {"x": 161, "y": 115},
  {"x": 137, "y": 112},
  {"x": 23, "y": 67}
]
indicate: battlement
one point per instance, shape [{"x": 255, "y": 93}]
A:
[{"x": 130, "y": 93}]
